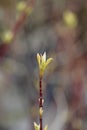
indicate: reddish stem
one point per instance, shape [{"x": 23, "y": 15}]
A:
[{"x": 40, "y": 102}]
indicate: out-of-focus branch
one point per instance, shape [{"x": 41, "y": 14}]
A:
[{"x": 9, "y": 36}]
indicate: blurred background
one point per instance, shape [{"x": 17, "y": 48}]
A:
[{"x": 58, "y": 27}]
